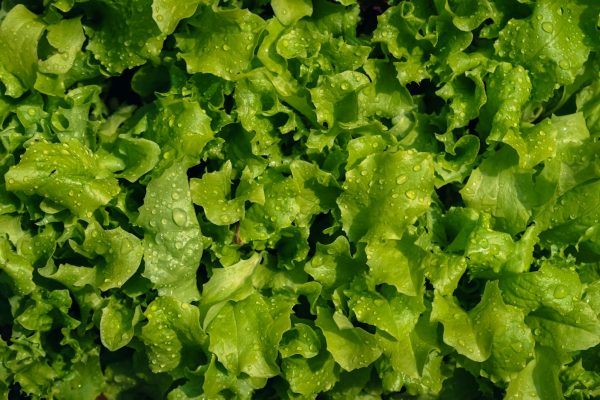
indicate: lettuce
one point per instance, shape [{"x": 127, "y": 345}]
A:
[{"x": 301, "y": 199}]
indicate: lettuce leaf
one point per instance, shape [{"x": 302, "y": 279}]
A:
[{"x": 299, "y": 199}]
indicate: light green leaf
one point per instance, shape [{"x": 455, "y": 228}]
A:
[
  {"x": 493, "y": 332},
  {"x": 122, "y": 253},
  {"x": 552, "y": 287},
  {"x": 444, "y": 271},
  {"x": 212, "y": 192},
  {"x": 336, "y": 98},
  {"x": 220, "y": 42},
  {"x": 397, "y": 263},
  {"x": 290, "y": 11},
  {"x": 172, "y": 335},
  {"x": 499, "y": 187},
  {"x": 578, "y": 329},
  {"x": 332, "y": 266},
  {"x": 242, "y": 337},
  {"x": 300, "y": 340},
  {"x": 139, "y": 155},
  {"x": 351, "y": 348},
  {"x": 20, "y": 32},
  {"x": 491, "y": 253},
  {"x": 389, "y": 311},
  {"x": 539, "y": 380},
  {"x": 501, "y": 115},
  {"x": 308, "y": 377},
  {"x": 117, "y": 324},
  {"x": 549, "y": 43},
  {"x": 66, "y": 173},
  {"x": 67, "y": 38},
  {"x": 127, "y": 37},
  {"x": 168, "y": 13},
  {"x": 385, "y": 185},
  {"x": 172, "y": 239},
  {"x": 15, "y": 270},
  {"x": 230, "y": 283}
]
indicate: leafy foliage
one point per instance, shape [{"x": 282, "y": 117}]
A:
[{"x": 333, "y": 199}]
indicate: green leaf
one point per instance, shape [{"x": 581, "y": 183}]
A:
[
  {"x": 66, "y": 37},
  {"x": 300, "y": 340},
  {"x": 499, "y": 187},
  {"x": 444, "y": 271},
  {"x": 573, "y": 214},
  {"x": 290, "y": 201},
  {"x": 85, "y": 380},
  {"x": 539, "y": 380},
  {"x": 550, "y": 286},
  {"x": 140, "y": 156},
  {"x": 220, "y": 42},
  {"x": 230, "y": 283},
  {"x": 332, "y": 265},
  {"x": 414, "y": 360},
  {"x": 68, "y": 174},
  {"x": 392, "y": 312},
  {"x": 578, "y": 329},
  {"x": 493, "y": 332},
  {"x": 127, "y": 37},
  {"x": 212, "y": 192},
  {"x": 117, "y": 324},
  {"x": 244, "y": 337},
  {"x": 217, "y": 380},
  {"x": 168, "y": 13},
  {"x": 20, "y": 32},
  {"x": 466, "y": 95},
  {"x": 589, "y": 105},
  {"x": 385, "y": 96},
  {"x": 308, "y": 377},
  {"x": 549, "y": 43},
  {"x": 501, "y": 115},
  {"x": 397, "y": 263},
  {"x": 181, "y": 128},
  {"x": 533, "y": 144},
  {"x": 172, "y": 239},
  {"x": 117, "y": 255},
  {"x": 290, "y": 11},
  {"x": 491, "y": 253},
  {"x": 351, "y": 348},
  {"x": 17, "y": 272},
  {"x": 468, "y": 15},
  {"x": 386, "y": 184},
  {"x": 336, "y": 98},
  {"x": 172, "y": 335},
  {"x": 122, "y": 253}
]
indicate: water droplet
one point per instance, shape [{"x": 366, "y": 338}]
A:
[
  {"x": 560, "y": 292},
  {"x": 410, "y": 195},
  {"x": 547, "y": 27},
  {"x": 417, "y": 168},
  {"x": 363, "y": 172},
  {"x": 225, "y": 47},
  {"x": 564, "y": 64},
  {"x": 401, "y": 179}
]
